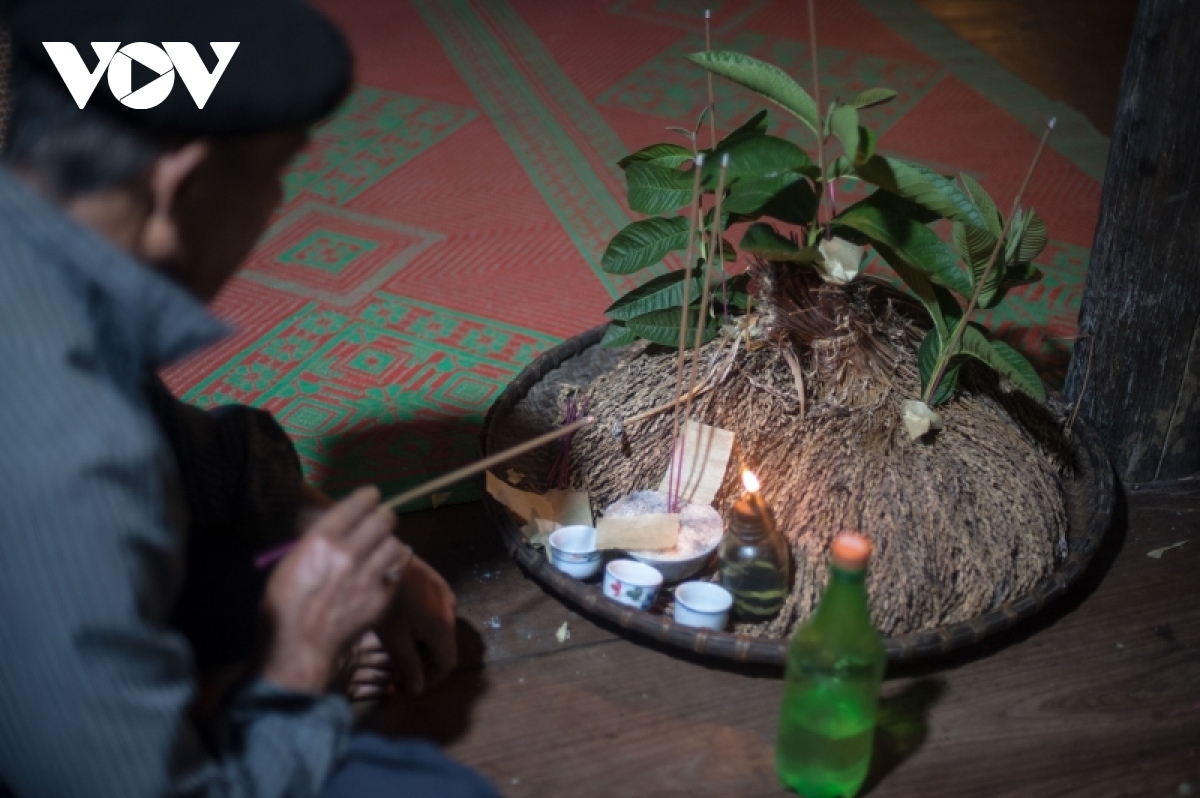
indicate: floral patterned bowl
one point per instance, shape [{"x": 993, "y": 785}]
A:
[{"x": 631, "y": 582}]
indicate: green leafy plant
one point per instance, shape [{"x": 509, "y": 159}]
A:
[{"x": 771, "y": 180}]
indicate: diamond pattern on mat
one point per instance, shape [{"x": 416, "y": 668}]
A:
[
  {"x": 390, "y": 395},
  {"x": 332, "y": 254},
  {"x": 374, "y": 133},
  {"x": 671, "y": 87}
]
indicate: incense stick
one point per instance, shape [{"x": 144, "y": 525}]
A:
[
  {"x": 693, "y": 213},
  {"x": 457, "y": 475},
  {"x": 812, "y": 46},
  {"x": 947, "y": 353},
  {"x": 472, "y": 469},
  {"x": 712, "y": 105}
]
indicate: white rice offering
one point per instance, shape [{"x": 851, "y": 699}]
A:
[{"x": 700, "y": 526}]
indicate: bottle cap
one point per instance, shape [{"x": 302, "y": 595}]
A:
[{"x": 850, "y": 551}]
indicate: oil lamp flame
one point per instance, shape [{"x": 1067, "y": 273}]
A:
[{"x": 750, "y": 482}]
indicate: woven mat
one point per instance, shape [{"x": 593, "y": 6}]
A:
[{"x": 447, "y": 225}]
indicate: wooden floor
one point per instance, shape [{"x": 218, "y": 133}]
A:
[
  {"x": 1099, "y": 697},
  {"x": 1069, "y": 50}
]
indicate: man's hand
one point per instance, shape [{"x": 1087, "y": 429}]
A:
[
  {"x": 420, "y": 621},
  {"x": 325, "y": 593}
]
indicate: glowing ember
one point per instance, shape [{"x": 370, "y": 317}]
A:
[{"x": 750, "y": 482}]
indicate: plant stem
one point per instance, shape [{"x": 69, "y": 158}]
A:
[
  {"x": 702, "y": 316},
  {"x": 948, "y": 351},
  {"x": 812, "y": 46},
  {"x": 693, "y": 212}
]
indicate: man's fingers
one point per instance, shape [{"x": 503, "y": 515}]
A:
[
  {"x": 371, "y": 532},
  {"x": 363, "y": 675},
  {"x": 387, "y": 562},
  {"x": 341, "y": 519}
]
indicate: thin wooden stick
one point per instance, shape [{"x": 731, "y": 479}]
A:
[
  {"x": 943, "y": 361},
  {"x": 471, "y": 469},
  {"x": 812, "y": 46},
  {"x": 693, "y": 213},
  {"x": 712, "y": 105},
  {"x": 714, "y": 246},
  {"x": 701, "y": 323}
]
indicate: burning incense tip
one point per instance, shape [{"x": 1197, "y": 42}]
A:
[
  {"x": 1053, "y": 121},
  {"x": 708, "y": 13},
  {"x": 700, "y": 159},
  {"x": 750, "y": 482},
  {"x": 725, "y": 161}
]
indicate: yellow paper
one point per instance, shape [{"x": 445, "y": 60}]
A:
[
  {"x": 550, "y": 510},
  {"x": 638, "y": 532},
  {"x": 706, "y": 453}
]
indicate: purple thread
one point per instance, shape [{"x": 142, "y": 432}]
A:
[{"x": 272, "y": 556}]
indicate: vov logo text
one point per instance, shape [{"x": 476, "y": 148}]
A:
[{"x": 165, "y": 61}]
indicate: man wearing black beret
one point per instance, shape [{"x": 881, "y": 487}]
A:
[{"x": 129, "y": 522}]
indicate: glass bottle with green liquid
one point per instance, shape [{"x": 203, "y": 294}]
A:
[{"x": 834, "y": 670}]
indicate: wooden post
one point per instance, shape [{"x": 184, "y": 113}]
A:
[{"x": 1139, "y": 321}]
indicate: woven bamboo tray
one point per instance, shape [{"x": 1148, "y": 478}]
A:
[{"x": 1089, "y": 500}]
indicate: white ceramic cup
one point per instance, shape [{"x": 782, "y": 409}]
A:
[
  {"x": 631, "y": 582},
  {"x": 573, "y": 551},
  {"x": 702, "y": 604}
]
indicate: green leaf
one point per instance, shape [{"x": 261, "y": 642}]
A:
[
  {"x": 1033, "y": 239},
  {"x": 747, "y": 197},
  {"x": 755, "y": 124},
  {"x": 768, "y": 80},
  {"x": 841, "y": 167},
  {"x": 617, "y": 335},
  {"x": 655, "y": 189},
  {"x": 662, "y": 326},
  {"x": 866, "y": 145},
  {"x": 872, "y": 97},
  {"x": 974, "y": 245},
  {"x": 984, "y": 202},
  {"x": 943, "y": 310},
  {"x": 1021, "y": 274},
  {"x": 1007, "y": 361},
  {"x": 729, "y": 252},
  {"x": 923, "y": 186},
  {"x": 762, "y": 240},
  {"x": 644, "y": 243},
  {"x": 756, "y": 157},
  {"x": 927, "y": 355},
  {"x": 664, "y": 291},
  {"x": 795, "y": 203},
  {"x": 843, "y": 123},
  {"x": 882, "y": 221},
  {"x": 670, "y": 156}
]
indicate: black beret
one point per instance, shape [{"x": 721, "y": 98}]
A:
[{"x": 291, "y": 66}]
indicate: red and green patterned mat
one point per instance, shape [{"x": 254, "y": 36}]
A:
[{"x": 447, "y": 225}]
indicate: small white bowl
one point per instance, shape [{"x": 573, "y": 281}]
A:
[
  {"x": 573, "y": 551},
  {"x": 632, "y": 583},
  {"x": 676, "y": 570},
  {"x": 702, "y": 604}
]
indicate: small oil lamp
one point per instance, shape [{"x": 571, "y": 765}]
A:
[{"x": 755, "y": 564}]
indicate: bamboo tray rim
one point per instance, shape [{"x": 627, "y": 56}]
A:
[{"x": 1090, "y": 499}]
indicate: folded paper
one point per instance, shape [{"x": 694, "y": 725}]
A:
[{"x": 706, "y": 452}]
